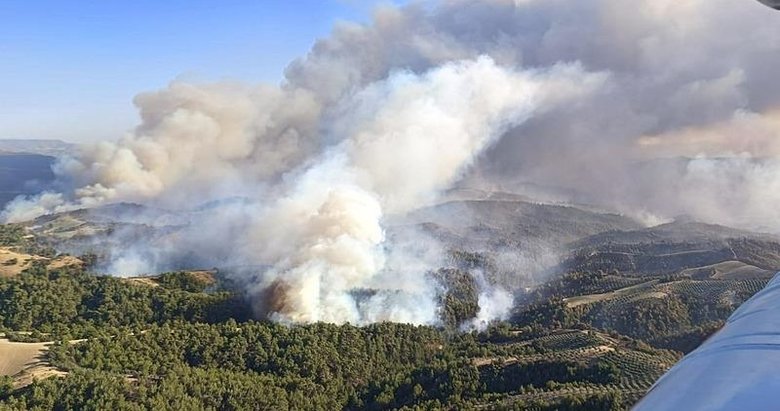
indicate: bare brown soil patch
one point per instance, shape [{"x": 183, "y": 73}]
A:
[
  {"x": 64, "y": 261},
  {"x": 143, "y": 281},
  {"x": 13, "y": 262}
]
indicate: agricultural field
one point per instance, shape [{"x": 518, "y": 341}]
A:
[{"x": 671, "y": 312}]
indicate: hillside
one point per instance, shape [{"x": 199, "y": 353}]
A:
[
  {"x": 137, "y": 342},
  {"x": 503, "y": 220},
  {"x": 503, "y": 223},
  {"x": 178, "y": 330},
  {"x": 672, "y": 312},
  {"x": 585, "y": 334},
  {"x": 679, "y": 246}
]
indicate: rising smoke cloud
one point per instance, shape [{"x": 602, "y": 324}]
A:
[
  {"x": 406, "y": 139},
  {"x": 598, "y": 97}
]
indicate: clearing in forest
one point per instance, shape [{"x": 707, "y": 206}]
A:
[{"x": 25, "y": 362}]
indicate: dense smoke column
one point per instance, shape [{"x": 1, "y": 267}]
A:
[{"x": 406, "y": 139}]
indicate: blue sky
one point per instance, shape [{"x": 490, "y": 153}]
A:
[{"x": 69, "y": 69}]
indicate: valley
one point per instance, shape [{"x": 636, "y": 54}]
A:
[{"x": 597, "y": 318}]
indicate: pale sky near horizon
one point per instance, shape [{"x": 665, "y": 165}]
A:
[{"x": 69, "y": 70}]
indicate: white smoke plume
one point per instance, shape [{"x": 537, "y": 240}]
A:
[
  {"x": 405, "y": 139},
  {"x": 651, "y": 107}
]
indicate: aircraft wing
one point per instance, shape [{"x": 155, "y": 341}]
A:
[{"x": 775, "y": 4}]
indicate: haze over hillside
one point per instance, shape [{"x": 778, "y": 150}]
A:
[
  {"x": 596, "y": 315},
  {"x": 26, "y": 166},
  {"x": 24, "y": 174}
]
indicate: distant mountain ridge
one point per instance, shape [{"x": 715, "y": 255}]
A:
[
  {"x": 24, "y": 174},
  {"x": 54, "y": 148},
  {"x": 26, "y": 166}
]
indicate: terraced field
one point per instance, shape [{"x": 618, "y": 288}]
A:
[
  {"x": 728, "y": 270},
  {"x": 624, "y": 293},
  {"x": 572, "y": 339},
  {"x": 637, "y": 366},
  {"x": 713, "y": 290},
  {"x": 691, "y": 249},
  {"x": 672, "y": 312}
]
